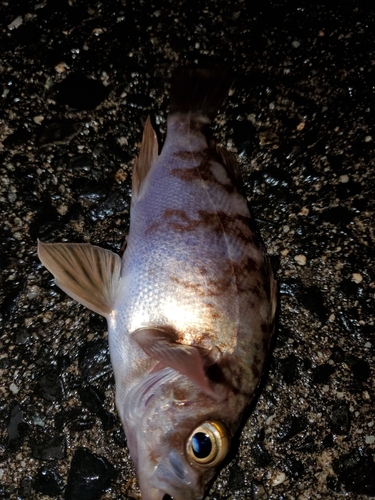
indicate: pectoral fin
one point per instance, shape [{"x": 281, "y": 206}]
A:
[
  {"x": 188, "y": 360},
  {"x": 87, "y": 273}
]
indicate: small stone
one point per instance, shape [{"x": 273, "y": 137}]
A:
[
  {"x": 38, "y": 119},
  {"x": 300, "y": 259},
  {"x": 296, "y": 44},
  {"x": 357, "y": 278},
  {"x": 301, "y": 126},
  {"x": 304, "y": 211},
  {"x": 61, "y": 67},
  {"x": 278, "y": 478},
  {"x": 13, "y": 388},
  {"x": 50, "y": 448},
  {"x": 16, "y": 427},
  {"x": 48, "y": 482},
  {"x": 368, "y": 138},
  {"x": 15, "y": 23},
  {"x": 370, "y": 439},
  {"x": 89, "y": 476},
  {"x": 344, "y": 178}
]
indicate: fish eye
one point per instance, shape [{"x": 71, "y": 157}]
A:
[{"x": 208, "y": 444}]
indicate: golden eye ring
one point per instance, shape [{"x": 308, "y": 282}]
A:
[{"x": 208, "y": 444}]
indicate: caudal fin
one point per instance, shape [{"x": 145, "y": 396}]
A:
[{"x": 199, "y": 92}]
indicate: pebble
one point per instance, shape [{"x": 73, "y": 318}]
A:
[
  {"x": 344, "y": 178},
  {"x": 15, "y": 23},
  {"x": 278, "y": 478},
  {"x": 357, "y": 278},
  {"x": 89, "y": 476},
  {"x": 300, "y": 259},
  {"x": 48, "y": 482}
]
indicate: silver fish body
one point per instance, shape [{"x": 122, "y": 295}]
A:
[{"x": 190, "y": 308}]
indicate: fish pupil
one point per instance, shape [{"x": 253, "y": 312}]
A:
[{"x": 201, "y": 444}]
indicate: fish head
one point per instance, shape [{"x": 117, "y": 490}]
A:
[{"x": 177, "y": 435}]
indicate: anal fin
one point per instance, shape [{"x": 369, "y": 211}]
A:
[{"x": 87, "y": 273}]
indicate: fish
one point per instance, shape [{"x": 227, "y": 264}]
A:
[{"x": 190, "y": 305}]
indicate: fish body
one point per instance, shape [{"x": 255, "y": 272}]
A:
[{"x": 190, "y": 306}]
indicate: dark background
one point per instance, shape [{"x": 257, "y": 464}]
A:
[{"x": 77, "y": 81}]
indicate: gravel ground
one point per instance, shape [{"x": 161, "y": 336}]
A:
[{"x": 78, "y": 79}]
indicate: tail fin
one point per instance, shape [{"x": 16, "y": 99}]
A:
[{"x": 198, "y": 91}]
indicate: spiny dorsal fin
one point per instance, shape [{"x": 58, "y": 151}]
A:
[
  {"x": 188, "y": 360},
  {"x": 148, "y": 154},
  {"x": 87, "y": 273},
  {"x": 230, "y": 163}
]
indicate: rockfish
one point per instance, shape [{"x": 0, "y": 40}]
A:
[{"x": 190, "y": 305}]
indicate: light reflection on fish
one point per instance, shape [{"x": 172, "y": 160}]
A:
[{"x": 190, "y": 306}]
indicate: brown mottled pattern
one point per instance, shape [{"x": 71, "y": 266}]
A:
[
  {"x": 202, "y": 171},
  {"x": 219, "y": 222}
]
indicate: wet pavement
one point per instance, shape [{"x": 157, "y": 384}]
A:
[{"x": 78, "y": 80}]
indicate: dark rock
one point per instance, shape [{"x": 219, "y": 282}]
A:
[
  {"x": 322, "y": 373},
  {"x": 61, "y": 132},
  {"x": 348, "y": 287},
  {"x": 356, "y": 471},
  {"x": 236, "y": 478},
  {"x": 258, "y": 491},
  {"x": 328, "y": 441},
  {"x": 25, "y": 489},
  {"x": 308, "y": 445},
  {"x": 338, "y": 355},
  {"x": 294, "y": 468},
  {"x": 9, "y": 304},
  {"x": 119, "y": 438},
  {"x": 49, "y": 387},
  {"x": 107, "y": 418},
  {"x": 340, "y": 419},
  {"x": 244, "y": 136},
  {"x": 49, "y": 448},
  {"x": 48, "y": 482},
  {"x": 17, "y": 427},
  {"x": 80, "y": 420},
  {"x": 310, "y": 298},
  {"x": 348, "y": 189},
  {"x": 291, "y": 427},
  {"x": 81, "y": 163},
  {"x": 91, "y": 398},
  {"x": 359, "y": 367},
  {"x": 339, "y": 216},
  {"x": 359, "y": 205},
  {"x": 116, "y": 202},
  {"x": 289, "y": 368},
  {"x": 94, "y": 360},
  {"x": 333, "y": 484},
  {"x": 80, "y": 92},
  {"x": 89, "y": 476},
  {"x": 260, "y": 455}
]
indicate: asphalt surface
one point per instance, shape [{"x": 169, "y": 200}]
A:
[{"x": 77, "y": 81}]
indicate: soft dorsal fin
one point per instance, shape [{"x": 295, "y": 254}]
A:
[
  {"x": 87, "y": 273},
  {"x": 161, "y": 345},
  {"x": 148, "y": 154},
  {"x": 230, "y": 163}
]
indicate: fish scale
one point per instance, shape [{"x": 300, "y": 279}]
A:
[{"x": 191, "y": 305}]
